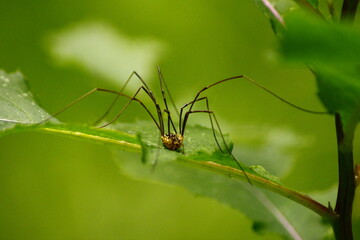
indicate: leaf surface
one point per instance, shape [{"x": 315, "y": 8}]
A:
[
  {"x": 17, "y": 103},
  {"x": 202, "y": 168}
]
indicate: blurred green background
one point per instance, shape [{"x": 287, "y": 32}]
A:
[{"x": 57, "y": 188}]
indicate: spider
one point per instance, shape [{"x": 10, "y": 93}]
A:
[{"x": 172, "y": 137}]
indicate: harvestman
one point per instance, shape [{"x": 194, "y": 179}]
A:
[{"x": 173, "y": 138}]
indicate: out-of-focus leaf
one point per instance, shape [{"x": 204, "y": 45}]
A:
[
  {"x": 276, "y": 10},
  {"x": 99, "y": 48},
  {"x": 333, "y": 51},
  {"x": 268, "y": 146},
  {"x": 314, "y": 3},
  {"x": 315, "y": 41},
  {"x": 340, "y": 93}
]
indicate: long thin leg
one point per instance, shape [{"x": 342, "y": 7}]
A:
[
  {"x": 212, "y": 125},
  {"x": 162, "y": 80},
  {"x": 100, "y": 90},
  {"x": 222, "y": 136},
  {"x": 117, "y": 97},
  {"x": 147, "y": 90},
  {"x": 181, "y": 111},
  {"x": 258, "y": 85},
  {"x": 165, "y": 102},
  {"x": 170, "y": 121},
  {"x": 134, "y": 98}
]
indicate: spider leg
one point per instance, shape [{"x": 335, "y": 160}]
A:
[
  {"x": 258, "y": 85},
  {"x": 211, "y": 113},
  {"x": 181, "y": 112},
  {"x": 99, "y": 90},
  {"x": 117, "y": 97},
  {"x": 160, "y": 126},
  {"x": 162, "y": 81},
  {"x": 169, "y": 119}
]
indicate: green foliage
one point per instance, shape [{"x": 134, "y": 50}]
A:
[
  {"x": 330, "y": 50},
  {"x": 333, "y": 53},
  {"x": 314, "y": 3},
  {"x": 314, "y": 41},
  {"x": 203, "y": 169},
  {"x": 17, "y": 103}
]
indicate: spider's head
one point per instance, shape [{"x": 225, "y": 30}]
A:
[{"x": 172, "y": 141}]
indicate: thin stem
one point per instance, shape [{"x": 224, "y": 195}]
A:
[{"x": 346, "y": 189}]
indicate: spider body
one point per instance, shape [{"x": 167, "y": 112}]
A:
[{"x": 172, "y": 141}]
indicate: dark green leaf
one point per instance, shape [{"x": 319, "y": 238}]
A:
[
  {"x": 340, "y": 93},
  {"x": 314, "y": 3},
  {"x": 333, "y": 52},
  {"x": 314, "y": 41}
]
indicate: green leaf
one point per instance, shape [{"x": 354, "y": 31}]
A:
[
  {"x": 17, "y": 103},
  {"x": 340, "y": 93},
  {"x": 202, "y": 169},
  {"x": 333, "y": 52},
  {"x": 270, "y": 212},
  {"x": 315, "y": 41},
  {"x": 276, "y": 10},
  {"x": 314, "y": 3}
]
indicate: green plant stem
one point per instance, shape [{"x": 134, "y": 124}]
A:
[
  {"x": 348, "y": 10},
  {"x": 346, "y": 189}
]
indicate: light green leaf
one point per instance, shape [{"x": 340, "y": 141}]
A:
[
  {"x": 16, "y": 102},
  {"x": 270, "y": 212},
  {"x": 202, "y": 168},
  {"x": 315, "y": 41}
]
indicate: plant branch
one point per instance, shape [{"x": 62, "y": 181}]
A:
[{"x": 346, "y": 189}]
